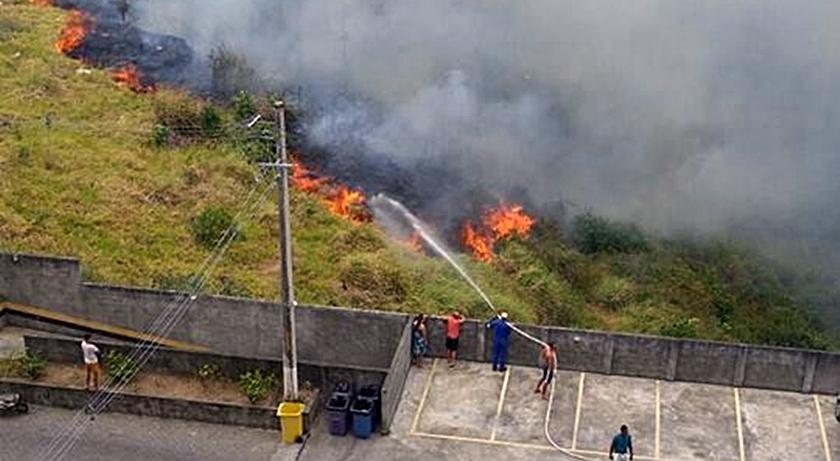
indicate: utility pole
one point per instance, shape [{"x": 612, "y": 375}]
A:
[{"x": 290, "y": 377}]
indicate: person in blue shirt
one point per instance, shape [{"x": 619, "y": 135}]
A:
[
  {"x": 501, "y": 335},
  {"x": 622, "y": 445}
]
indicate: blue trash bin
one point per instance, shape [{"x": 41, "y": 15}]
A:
[
  {"x": 362, "y": 411},
  {"x": 338, "y": 407},
  {"x": 373, "y": 394}
]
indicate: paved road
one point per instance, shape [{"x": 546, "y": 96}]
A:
[{"x": 131, "y": 438}]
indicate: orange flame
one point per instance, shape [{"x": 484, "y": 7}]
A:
[
  {"x": 507, "y": 220},
  {"x": 414, "y": 242},
  {"x": 129, "y": 77},
  {"x": 303, "y": 179},
  {"x": 41, "y": 2},
  {"x": 73, "y": 33},
  {"x": 499, "y": 223},
  {"x": 481, "y": 245},
  {"x": 344, "y": 202}
]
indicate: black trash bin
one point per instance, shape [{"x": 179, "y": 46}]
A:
[
  {"x": 338, "y": 407},
  {"x": 373, "y": 394},
  {"x": 362, "y": 411}
]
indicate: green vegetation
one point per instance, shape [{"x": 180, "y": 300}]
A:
[
  {"x": 26, "y": 365},
  {"x": 119, "y": 367},
  {"x": 256, "y": 385},
  {"x": 209, "y": 372},
  {"x": 140, "y": 186}
]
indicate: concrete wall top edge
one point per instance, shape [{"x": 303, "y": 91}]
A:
[{"x": 34, "y": 257}]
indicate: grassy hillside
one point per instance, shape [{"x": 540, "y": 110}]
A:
[{"x": 82, "y": 175}]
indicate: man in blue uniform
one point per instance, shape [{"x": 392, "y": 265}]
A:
[{"x": 501, "y": 335}]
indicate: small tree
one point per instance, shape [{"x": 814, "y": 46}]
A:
[
  {"x": 210, "y": 225},
  {"x": 230, "y": 72}
]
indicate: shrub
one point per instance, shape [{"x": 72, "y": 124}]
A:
[
  {"x": 210, "y": 224},
  {"x": 255, "y": 385},
  {"x": 28, "y": 365},
  {"x": 595, "y": 234},
  {"x": 181, "y": 114},
  {"x": 9, "y": 27},
  {"x": 615, "y": 292},
  {"x": 120, "y": 367},
  {"x": 681, "y": 328},
  {"x": 211, "y": 122},
  {"x": 160, "y": 135},
  {"x": 209, "y": 372},
  {"x": 244, "y": 105}
]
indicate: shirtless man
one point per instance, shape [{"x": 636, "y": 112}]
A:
[{"x": 548, "y": 357}]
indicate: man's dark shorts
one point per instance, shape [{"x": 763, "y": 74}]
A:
[
  {"x": 548, "y": 374},
  {"x": 451, "y": 344}
]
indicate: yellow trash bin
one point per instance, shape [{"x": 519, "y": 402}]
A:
[{"x": 291, "y": 420}]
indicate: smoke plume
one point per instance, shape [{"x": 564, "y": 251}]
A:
[{"x": 712, "y": 116}]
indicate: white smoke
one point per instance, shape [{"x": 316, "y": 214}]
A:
[{"x": 673, "y": 114}]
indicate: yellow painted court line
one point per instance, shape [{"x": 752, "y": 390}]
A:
[
  {"x": 501, "y": 403},
  {"x": 826, "y": 448},
  {"x": 738, "y": 424},
  {"x": 532, "y": 446},
  {"x": 459, "y": 438},
  {"x": 577, "y": 410},
  {"x": 427, "y": 384},
  {"x": 658, "y": 419}
]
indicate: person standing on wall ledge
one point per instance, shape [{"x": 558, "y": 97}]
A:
[
  {"x": 90, "y": 354},
  {"x": 453, "y": 333},
  {"x": 622, "y": 444},
  {"x": 501, "y": 335}
]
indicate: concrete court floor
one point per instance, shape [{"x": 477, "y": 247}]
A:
[{"x": 473, "y": 413}]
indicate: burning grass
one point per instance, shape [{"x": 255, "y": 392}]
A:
[
  {"x": 129, "y": 77},
  {"x": 339, "y": 198},
  {"x": 73, "y": 34},
  {"x": 498, "y": 224}
]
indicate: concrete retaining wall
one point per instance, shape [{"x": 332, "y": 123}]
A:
[
  {"x": 394, "y": 384},
  {"x": 363, "y": 340},
  {"x": 49, "y": 282},
  {"x": 66, "y": 350},
  {"x": 656, "y": 357},
  {"x": 211, "y": 412}
]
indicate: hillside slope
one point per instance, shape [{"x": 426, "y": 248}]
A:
[{"x": 81, "y": 175}]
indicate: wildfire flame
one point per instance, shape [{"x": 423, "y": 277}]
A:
[
  {"x": 343, "y": 201},
  {"x": 507, "y": 220},
  {"x": 480, "y": 244},
  {"x": 340, "y": 199},
  {"x": 499, "y": 223},
  {"x": 129, "y": 77},
  {"x": 304, "y": 180},
  {"x": 73, "y": 33},
  {"x": 41, "y": 2}
]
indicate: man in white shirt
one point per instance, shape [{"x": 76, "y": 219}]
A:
[{"x": 91, "y": 356}]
